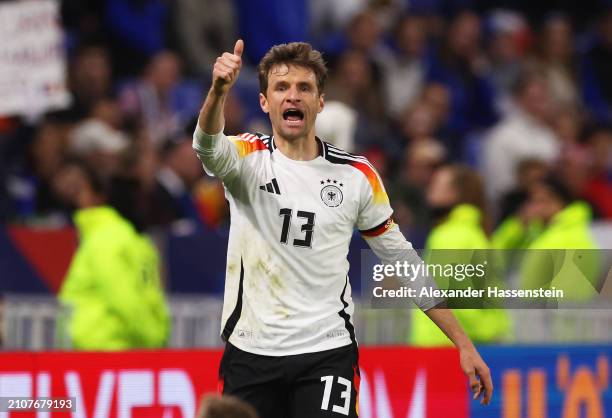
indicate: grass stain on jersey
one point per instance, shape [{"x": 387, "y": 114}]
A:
[{"x": 231, "y": 268}]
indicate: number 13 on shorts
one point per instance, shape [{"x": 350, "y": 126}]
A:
[{"x": 344, "y": 395}]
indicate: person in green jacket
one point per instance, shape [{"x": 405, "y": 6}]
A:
[
  {"x": 112, "y": 296},
  {"x": 563, "y": 255},
  {"x": 456, "y": 198}
]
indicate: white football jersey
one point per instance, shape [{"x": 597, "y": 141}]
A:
[{"x": 287, "y": 289}]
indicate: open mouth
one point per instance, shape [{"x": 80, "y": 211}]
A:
[{"x": 293, "y": 115}]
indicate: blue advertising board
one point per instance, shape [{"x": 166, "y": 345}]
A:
[{"x": 548, "y": 382}]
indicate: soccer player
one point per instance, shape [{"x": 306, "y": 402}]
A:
[{"x": 294, "y": 202}]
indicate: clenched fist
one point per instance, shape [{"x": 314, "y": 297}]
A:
[{"x": 227, "y": 68}]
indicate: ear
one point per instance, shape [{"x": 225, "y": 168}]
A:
[
  {"x": 263, "y": 103},
  {"x": 321, "y": 102}
]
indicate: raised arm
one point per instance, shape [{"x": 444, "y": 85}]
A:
[
  {"x": 225, "y": 73},
  {"x": 219, "y": 155}
]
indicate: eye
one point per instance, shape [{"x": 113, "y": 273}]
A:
[{"x": 305, "y": 87}]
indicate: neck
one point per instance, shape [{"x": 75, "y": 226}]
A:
[{"x": 305, "y": 148}]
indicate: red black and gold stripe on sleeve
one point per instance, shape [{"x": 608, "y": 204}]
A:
[
  {"x": 338, "y": 156},
  {"x": 378, "y": 230},
  {"x": 378, "y": 192}
]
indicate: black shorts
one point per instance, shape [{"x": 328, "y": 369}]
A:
[{"x": 312, "y": 385}]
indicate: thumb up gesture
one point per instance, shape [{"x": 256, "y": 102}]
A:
[{"x": 227, "y": 68}]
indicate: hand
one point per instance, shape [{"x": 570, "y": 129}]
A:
[
  {"x": 227, "y": 68},
  {"x": 478, "y": 374}
]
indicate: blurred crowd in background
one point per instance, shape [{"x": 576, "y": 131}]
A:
[{"x": 516, "y": 90}]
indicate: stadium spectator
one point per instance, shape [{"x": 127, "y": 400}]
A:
[
  {"x": 108, "y": 111},
  {"x": 508, "y": 36},
  {"x": 554, "y": 58},
  {"x": 524, "y": 133},
  {"x": 112, "y": 295},
  {"x": 330, "y": 18},
  {"x": 595, "y": 70},
  {"x": 520, "y": 225},
  {"x": 352, "y": 83},
  {"x": 589, "y": 173},
  {"x": 404, "y": 74},
  {"x": 437, "y": 97},
  {"x": 131, "y": 188},
  {"x": 364, "y": 34},
  {"x": 235, "y": 114},
  {"x": 172, "y": 197},
  {"x": 574, "y": 170},
  {"x": 528, "y": 172},
  {"x": 550, "y": 215},
  {"x": 568, "y": 126},
  {"x": 90, "y": 79},
  {"x": 410, "y": 210},
  {"x": 419, "y": 123},
  {"x": 456, "y": 198},
  {"x": 566, "y": 228},
  {"x": 337, "y": 124},
  {"x": 100, "y": 145},
  {"x": 225, "y": 407},
  {"x": 203, "y": 31},
  {"x": 461, "y": 66},
  {"x": 151, "y": 98},
  {"x": 31, "y": 190}
]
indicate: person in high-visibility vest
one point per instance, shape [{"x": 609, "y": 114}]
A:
[
  {"x": 563, "y": 256},
  {"x": 456, "y": 197},
  {"x": 112, "y": 296}
]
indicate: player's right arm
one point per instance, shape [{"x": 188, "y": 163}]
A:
[{"x": 218, "y": 154}]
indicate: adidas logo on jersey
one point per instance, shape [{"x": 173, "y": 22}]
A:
[{"x": 271, "y": 187}]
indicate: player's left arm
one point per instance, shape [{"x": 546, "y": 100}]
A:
[
  {"x": 472, "y": 364},
  {"x": 389, "y": 244}
]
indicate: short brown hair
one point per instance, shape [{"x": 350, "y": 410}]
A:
[
  {"x": 225, "y": 406},
  {"x": 300, "y": 54}
]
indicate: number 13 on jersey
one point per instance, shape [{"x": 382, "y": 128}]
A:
[{"x": 306, "y": 227}]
